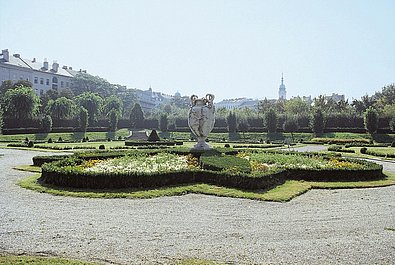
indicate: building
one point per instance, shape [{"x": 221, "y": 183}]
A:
[
  {"x": 335, "y": 97},
  {"x": 282, "y": 92},
  {"x": 238, "y": 103},
  {"x": 42, "y": 75}
]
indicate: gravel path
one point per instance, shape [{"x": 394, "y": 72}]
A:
[{"x": 319, "y": 227}]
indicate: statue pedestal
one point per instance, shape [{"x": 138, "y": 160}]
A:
[{"x": 201, "y": 145}]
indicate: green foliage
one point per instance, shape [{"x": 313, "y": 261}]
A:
[
  {"x": 23, "y": 260},
  {"x": 113, "y": 103},
  {"x": 136, "y": 116},
  {"x": 392, "y": 124},
  {"x": 92, "y": 103},
  {"x": 47, "y": 123},
  {"x": 163, "y": 122},
  {"x": 271, "y": 121},
  {"x": 113, "y": 119},
  {"x": 86, "y": 83},
  {"x": 61, "y": 108},
  {"x": 225, "y": 163},
  {"x": 371, "y": 120},
  {"x": 21, "y": 103},
  {"x": 291, "y": 125},
  {"x": 232, "y": 122},
  {"x": 153, "y": 137},
  {"x": 83, "y": 119},
  {"x": 1, "y": 118},
  {"x": 317, "y": 122},
  {"x": 363, "y": 150},
  {"x": 296, "y": 105}
]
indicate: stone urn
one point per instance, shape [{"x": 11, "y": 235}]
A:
[{"x": 201, "y": 119}]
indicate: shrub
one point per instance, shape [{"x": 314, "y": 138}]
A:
[
  {"x": 393, "y": 144},
  {"x": 227, "y": 146},
  {"x": 363, "y": 150},
  {"x": 102, "y": 147},
  {"x": 317, "y": 122},
  {"x": 371, "y": 120},
  {"x": 30, "y": 144},
  {"x": 60, "y": 139},
  {"x": 50, "y": 141},
  {"x": 225, "y": 163},
  {"x": 120, "y": 138},
  {"x": 47, "y": 123},
  {"x": 153, "y": 137}
]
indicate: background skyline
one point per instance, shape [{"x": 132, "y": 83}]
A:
[{"x": 229, "y": 48}]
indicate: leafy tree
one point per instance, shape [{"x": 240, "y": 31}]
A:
[
  {"x": 163, "y": 122},
  {"x": 371, "y": 120},
  {"x": 271, "y": 121},
  {"x": 83, "y": 119},
  {"x": 61, "y": 108},
  {"x": 84, "y": 83},
  {"x": 21, "y": 103},
  {"x": 1, "y": 119},
  {"x": 113, "y": 103},
  {"x": 317, "y": 122},
  {"x": 296, "y": 105},
  {"x": 362, "y": 105},
  {"x": 392, "y": 124},
  {"x": 47, "y": 123},
  {"x": 232, "y": 122},
  {"x": 291, "y": 125},
  {"x": 386, "y": 96},
  {"x": 92, "y": 103},
  {"x": 113, "y": 119},
  {"x": 136, "y": 116},
  {"x": 50, "y": 94},
  {"x": 243, "y": 126}
]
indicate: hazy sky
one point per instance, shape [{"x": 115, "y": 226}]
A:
[{"x": 228, "y": 48}]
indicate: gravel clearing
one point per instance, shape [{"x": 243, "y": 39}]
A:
[{"x": 319, "y": 227}]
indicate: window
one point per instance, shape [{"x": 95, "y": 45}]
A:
[
  {"x": 47, "y": 82},
  {"x": 61, "y": 84},
  {"x": 41, "y": 92},
  {"x": 41, "y": 81},
  {"x": 54, "y": 79},
  {"x": 36, "y": 80},
  {"x": 67, "y": 84}
]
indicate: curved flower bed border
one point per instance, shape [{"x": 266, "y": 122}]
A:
[{"x": 66, "y": 173}]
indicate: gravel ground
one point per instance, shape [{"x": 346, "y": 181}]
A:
[{"x": 319, "y": 227}]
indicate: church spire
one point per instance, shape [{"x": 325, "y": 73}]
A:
[
  {"x": 282, "y": 78},
  {"x": 282, "y": 92}
]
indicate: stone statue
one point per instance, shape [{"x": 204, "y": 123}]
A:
[{"x": 201, "y": 119}]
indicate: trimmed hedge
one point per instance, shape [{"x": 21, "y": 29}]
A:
[
  {"x": 339, "y": 148},
  {"x": 340, "y": 141},
  {"x": 67, "y": 173},
  {"x": 150, "y": 143}
]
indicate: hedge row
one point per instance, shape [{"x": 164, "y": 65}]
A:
[
  {"x": 339, "y": 148},
  {"x": 159, "y": 143},
  {"x": 66, "y": 173},
  {"x": 340, "y": 141},
  {"x": 380, "y": 154}
]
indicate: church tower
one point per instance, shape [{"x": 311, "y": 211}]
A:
[{"x": 282, "y": 92}]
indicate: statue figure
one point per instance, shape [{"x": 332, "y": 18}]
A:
[{"x": 201, "y": 119}]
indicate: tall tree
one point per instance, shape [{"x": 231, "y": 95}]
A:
[
  {"x": 296, "y": 105},
  {"x": 271, "y": 121},
  {"x": 83, "y": 117},
  {"x": 83, "y": 83},
  {"x": 61, "y": 108},
  {"x": 113, "y": 103},
  {"x": 92, "y": 103},
  {"x": 163, "y": 122},
  {"x": 232, "y": 122},
  {"x": 371, "y": 120},
  {"x": 21, "y": 103},
  {"x": 291, "y": 125},
  {"x": 317, "y": 122},
  {"x": 113, "y": 117},
  {"x": 136, "y": 116}
]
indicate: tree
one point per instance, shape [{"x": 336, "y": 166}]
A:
[
  {"x": 136, "y": 116},
  {"x": 83, "y": 119},
  {"x": 1, "y": 120},
  {"x": 296, "y": 105},
  {"x": 290, "y": 125},
  {"x": 392, "y": 124},
  {"x": 51, "y": 94},
  {"x": 61, "y": 108},
  {"x": 163, "y": 122},
  {"x": 113, "y": 103},
  {"x": 21, "y": 103},
  {"x": 113, "y": 119},
  {"x": 243, "y": 126},
  {"x": 232, "y": 122},
  {"x": 271, "y": 121},
  {"x": 47, "y": 123},
  {"x": 92, "y": 103},
  {"x": 371, "y": 120},
  {"x": 317, "y": 122},
  {"x": 83, "y": 83}
]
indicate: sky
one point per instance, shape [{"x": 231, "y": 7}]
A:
[{"x": 228, "y": 48}]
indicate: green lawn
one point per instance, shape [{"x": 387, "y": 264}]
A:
[
  {"x": 289, "y": 190},
  {"x": 6, "y": 259}
]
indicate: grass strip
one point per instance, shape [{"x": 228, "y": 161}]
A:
[
  {"x": 283, "y": 193},
  {"x": 22, "y": 260}
]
